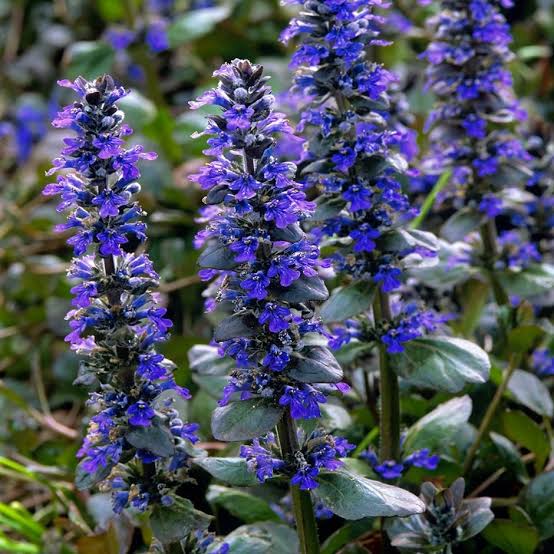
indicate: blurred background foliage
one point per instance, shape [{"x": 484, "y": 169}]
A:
[{"x": 43, "y": 41}]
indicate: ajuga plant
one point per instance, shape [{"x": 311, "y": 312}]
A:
[
  {"x": 266, "y": 272},
  {"x": 471, "y": 122},
  {"x": 472, "y": 138},
  {"x": 137, "y": 446},
  {"x": 447, "y": 520},
  {"x": 354, "y": 165}
]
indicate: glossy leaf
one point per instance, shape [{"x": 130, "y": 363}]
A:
[
  {"x": 232, "y": 471},
  {"x": 155, "y": 438},
  {"x": 443, "y": 363},
  {"x": 244, "y": 420},
  {"x": 539, "y": 502},
  {"x": 305, "y": 289},
  {"x": 262, "y": 538},
  {"x": 511, "y": 537},
  {"x": 435, "y": 430},
  {"x": 510, "y": 456},
  {"x": 535, "y": 280},
  {"x": 172, "y": 523},
  {"x": 354, "y": 497},
  {"x": 194, "y": 24},
  {"x": 241, "y": 504},
  {"x": 529, "y": 390},
  {"x": 315, "y": 364},
  {"x": 522, "y": 430},
  {"x": 237, "y": 325},
  {"x": 348, "y": 301}
]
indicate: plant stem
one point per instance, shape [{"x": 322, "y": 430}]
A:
[
  {"x": 491, "y": 410},
  {"x": 306, "y": 526},
  {"x": 490, "y": 249},
  {"x": 389, "y": 421}
]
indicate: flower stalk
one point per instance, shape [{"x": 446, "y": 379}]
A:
[{"x": 302, "y": 503}]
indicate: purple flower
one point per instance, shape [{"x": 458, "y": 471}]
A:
[
  {"x": 256, "y": 286},
  {"x": 303, "y": 403},
  {"x": 140, "y": 414},
  {"x": 389, "y": 277},
  {"x": 305, "y": 478},
  {"x": 156, "y": 36},
  {"x": 276, "y": 317}
]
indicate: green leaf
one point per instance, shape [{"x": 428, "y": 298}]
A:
[
  {"x": 139, "y": 110},
  {"x": 205, "y": 359},
  {"x": 524, "y": 338},
  {"x": 444, "y": 274},
  {"x": 398, "y": 240},
  {"x": 510, "y": 456},
  {"x": 305, "y": 289},
  {"x": 463, "y": 222},
  {"x": 155, "y": 438},
  {"x": 522, "y": 430},
  {"x": 195, "y": 24},
  {"x": 242, "y": 324},
  {"x": 348, "y": 301},
  {"x": 511, "y": 537},
  {"x": 315, "y": 364},
  {"x": 335, "y": 416},
  {"x": 245, "y": 420},
  {"x": 263, "y": 538},
  {"x": 89, "y": 59},
  {"x": 173, "y": 523},
  {"x": 232, "y": 471},
  {"x": 436, "y": 429},
  {"x": 354, "y": 497},
  {"x": 536, "y": 279},
  {"x": 539, "y": 502},
  {"x": 345, "y": 535},
  {"x": 443, "y": 363},
  {"x": 529, "y": 390},
  {"x": 240, "y": 504}
]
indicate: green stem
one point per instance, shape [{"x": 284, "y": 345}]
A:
[
  {"x": 389, "y": 421},
  {"x": 491, "y": 411},
  {"x": 430, "y": 200},
  {"x": 306, "y": 526},
  {"x": 490, "y": 249}
]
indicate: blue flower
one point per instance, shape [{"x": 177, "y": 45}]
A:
[
  {"x": 303, "y": 403},
  {"x": 276, "y": 317}
]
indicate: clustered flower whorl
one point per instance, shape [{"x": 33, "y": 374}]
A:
[
  {"x": 265, "y": 268},
  {"x": 136, "y": 440},
  {"x": 476, "y": 103},
  {"x": 353, "y": 151}
]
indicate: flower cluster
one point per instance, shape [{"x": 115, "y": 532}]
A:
[
  {"x": 319, "y": 452},
  {"x": 354, "y": 157},
  {"x": 468, "y": 74},
  {"x": 409, "y": 321},
  {"x": 265, "y": 268},
  {"x": 136, "y": 437},
  {"x": 392, "y": 469}
]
